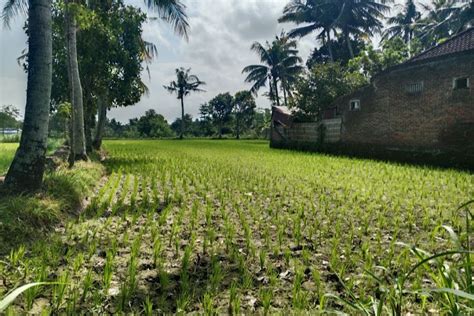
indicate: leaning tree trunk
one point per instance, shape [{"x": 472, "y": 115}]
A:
[
  {"x": 78, "y": 147},
  {"x": 329, "y": 44},
  {"x": 89, "y": 122},
  {"x": 349, "y": 44},
  {"x": 27, "y": 169},
  {"x": 181, "y": 135},
  {"x": 275, "y": 85},
  {"x": 284, "y": 94},
  {"x": 102, "y": 104}
]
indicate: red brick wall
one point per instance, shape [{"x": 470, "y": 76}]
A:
[{"x": 438, "y": 118}]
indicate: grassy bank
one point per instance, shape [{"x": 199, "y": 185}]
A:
[
  {"x": 27, "y": 218},
  {"x": 217, "y": 227}
]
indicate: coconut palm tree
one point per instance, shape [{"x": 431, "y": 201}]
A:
[
  {"x": 183, "y": 86},
  {"x": 317, "y": 15},
  {"x": 78, "y": 137},
  {"x": 359, "y": 18},
  {"x": 280, "y": 64},
  {"x": 404, "y": 24},
  {"x": 446, "y": 18},
  {"x": 27, "y": 169}
]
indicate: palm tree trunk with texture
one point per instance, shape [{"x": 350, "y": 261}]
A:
[
  {"x": 27, "y": 169},
  {"x": 275, "y": 85},
  {"x": 349, "y": 44},
  {"x": 181, "y": 135},
  {"x": 102, "y": 104},
  {"x": 79, "y": 138}
]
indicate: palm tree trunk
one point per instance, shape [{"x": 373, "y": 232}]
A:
[
  {"x": 181, "y": 135},
  {"x": 27, "y": 169},
  {"x": 89, "y": 121},
  {"x": 79, "y": 139},
  {"x": 275, "y": 84},
  {"x": 237, "y": 128},
  {"x": 102, "y": 104},
  {"x": 349, "y": 44},
  {"x": 284, "y": 95},
  {"x": 329, "y": 44}
]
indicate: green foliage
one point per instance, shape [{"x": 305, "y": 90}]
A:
[
  {"x": 9, "y": 115},
  {"x": 221, "y": 107},
  {"x": 280, "y": 66},
  {"x": 358, "y": 19},
  {"x": 111, "y": 57},
  {"x": 152, "y": 125},
  {"x": 371, "y": 61},
  {"x": 244, "y": 110},
  {"x": 321, "y": 86}
]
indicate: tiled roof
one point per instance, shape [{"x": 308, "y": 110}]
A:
[{"x": 461, "y": 42}]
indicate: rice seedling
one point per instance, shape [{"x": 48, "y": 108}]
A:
[
  {"x": 206, "y": 227},
  {"x": 266, "y": 296}
]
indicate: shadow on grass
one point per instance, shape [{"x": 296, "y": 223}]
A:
[{"x": 25, "y": 218}]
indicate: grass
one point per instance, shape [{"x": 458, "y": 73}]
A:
[
  {"x": 235, "y": 227},
  {"x": 26, "y": 218},
  {"x": 7, "y": 151}
]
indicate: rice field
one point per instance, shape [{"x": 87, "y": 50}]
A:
[
  {"x": 235, "y": 227},
  {"x": 7, "y": 151}
]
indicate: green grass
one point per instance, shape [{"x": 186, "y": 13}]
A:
[
  {"x": 7, "y": 151},
  {"x": 226, "y": 226}
]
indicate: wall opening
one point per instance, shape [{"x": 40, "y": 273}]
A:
[
  {"x": 354, "y": 105},
  {"x": 461, "y": 83}
]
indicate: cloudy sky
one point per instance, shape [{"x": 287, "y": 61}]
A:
[{"x": 218, "y": 49}]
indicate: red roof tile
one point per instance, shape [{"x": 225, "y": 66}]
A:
[{"x": 461, "y": 42}]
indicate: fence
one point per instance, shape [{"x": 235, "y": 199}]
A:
[{"x": 310, "y": 132}]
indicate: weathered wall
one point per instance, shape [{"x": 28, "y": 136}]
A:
[
  {"x": 308, "y": 132},
  {"x": 438, "y": 118}
]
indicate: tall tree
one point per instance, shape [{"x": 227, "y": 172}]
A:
[
  {"x": 221, "y": 107},
  {"x": 359, "y": 18},
  {"x": 316, "y": 15},
  {"x": 78, "y": 137},
  {"x": 280, "y": 64},
  {"x": 183, "y": 86},
  {"x": 244, "y": 110},
  {"x": 27, "y": 169},
  {"x": 444, "y": 18},
  {"x": 404, "y": 24}
]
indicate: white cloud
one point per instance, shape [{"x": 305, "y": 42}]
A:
[{"x": 218, "y": 49}]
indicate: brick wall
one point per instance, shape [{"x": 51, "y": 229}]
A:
[{"x": 437, "y": 118}]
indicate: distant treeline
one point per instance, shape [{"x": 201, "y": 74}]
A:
[{"x": 154, "y": 125}]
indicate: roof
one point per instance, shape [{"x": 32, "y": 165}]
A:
[
  {"x": 282, "y": 109},
  {"x": 461, "y": 42},
  {"x": 281, "y": 115}
]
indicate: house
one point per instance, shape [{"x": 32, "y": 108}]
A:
[{"x": 424, "y": 106}]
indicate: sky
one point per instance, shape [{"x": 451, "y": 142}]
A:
[{"x": 221, "y": 33}]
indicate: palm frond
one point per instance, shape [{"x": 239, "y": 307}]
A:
[
  {"x": 13, "y": 8},
  {"x": 173, "y": 12}
]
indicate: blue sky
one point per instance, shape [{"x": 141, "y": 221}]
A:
[{"x": 218, "y": 49}]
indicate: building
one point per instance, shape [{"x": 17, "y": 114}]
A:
[{"x": 423, "y": 107}]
